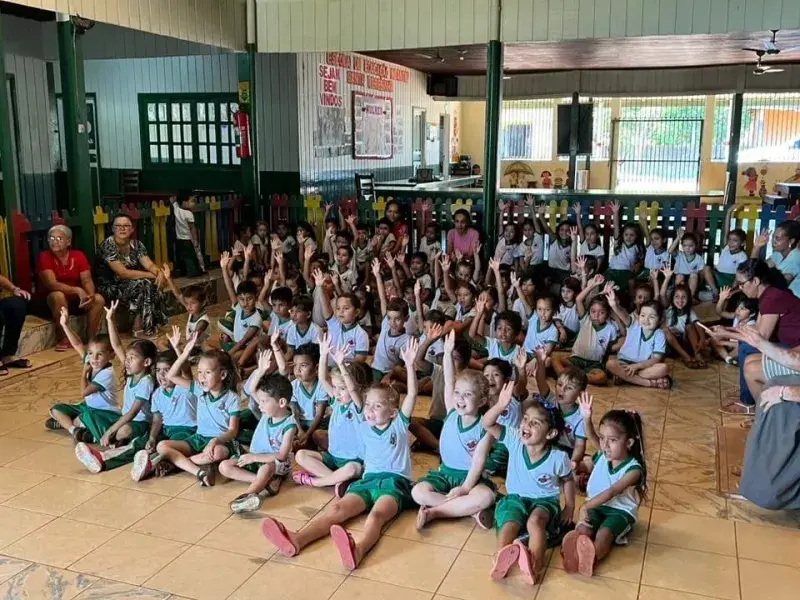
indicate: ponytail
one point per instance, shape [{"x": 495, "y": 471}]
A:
[{"x": 629, "y": 422}]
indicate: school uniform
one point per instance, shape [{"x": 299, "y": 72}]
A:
[
  {"x": 192, "y": 323},
  {"x": 279, "y": 325},
  {"x": 387, "y": 350},
  {"x": 568, "y": 315},
  {"x": 654, "y": 261},
  {"x": 295, "y": 337},
  {"x": 592, "y": 344},
  {"x": 531, "y": 250},
  {"x": 639, "y": 348},
  {"x": 618, "y": 514},
  {"x": 99, "y": 410},
  {"x": 505, "y": 252},
  {"x": 574, "y": 429},
  {"x": 430, "y": 248},
  {"x": 519, "y": 308},
  {"x": 306, "y": 401},
  {"x": 387, "y": 464},
  {"x": 463, "y": 314},
  {"x": 677, "y": 323},
  {"x": 213, "y": 416},
  {"x": 511, "y": 417},
  {"x": 685, "y": 265},
  {"x": 495, "y": 350},
  {"x": 789, "y": 265},
  {"x": 347, "y": 277},
  {"x": 354, "y": 339},
  {"x": 268, "y": 438},
  {"x": 538, "y": 335},
  {"x": 139, "y": 391},
  {"x": 727, "y": 263},
  {"x": 241, "y": 325},
  {"x": 560, "y": 260},
  {"x": 621, "y": 264},
  {"x": 361, "y": 254},
  {"x": 344, "y": 436},
  {"x": 598, "y": 251},
  {"x": 530, "y": 485}
]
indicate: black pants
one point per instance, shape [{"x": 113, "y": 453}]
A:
[
  {"x": 186, "y": 263},
  {"x": 12, "y": 318}
]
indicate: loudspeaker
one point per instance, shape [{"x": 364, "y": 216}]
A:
[
  {"x": 585, "y": 126},
  {"x": 442, "y": 85}
]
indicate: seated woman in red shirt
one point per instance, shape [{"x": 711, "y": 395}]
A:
[{"x": 65, "y": 280}]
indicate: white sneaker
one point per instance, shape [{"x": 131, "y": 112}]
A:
[
  {"x": 142, "y": 465},
  {"x": 88, "y": 457},
  {"x": 246, "y": 503}
]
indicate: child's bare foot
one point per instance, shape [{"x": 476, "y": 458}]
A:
[
  {"x": 276, "y": 533},
  {"x": 527, "y": 564},
  {"x": 586, "y": 555},
  {"x": 422, "y": 518},
  {"x": 346, "y": 546},
  {"x": 506, "y": 557}
]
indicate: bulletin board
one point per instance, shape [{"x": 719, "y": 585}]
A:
[{"x": 373, "y": 133}]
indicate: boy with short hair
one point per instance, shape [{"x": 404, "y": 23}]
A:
[
  {"x": 247, "y": 320},
  {"x": 301, "y": 330},
  {"x": 189, "y": 260}
]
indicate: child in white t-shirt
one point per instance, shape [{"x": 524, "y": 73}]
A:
[
  {"x": 689, "y": 263},
  {"x": 732, "y": 255},
  {"x": 745, "y": 314}
]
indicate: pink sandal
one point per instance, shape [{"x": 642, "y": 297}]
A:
[
  {"x": 527, "y": 564},
  {"x": 345, "y": 545},
  {"x": 505, "y": 559},
  {"x": 303, "y": 478},
  {"x": 569, "y": 551},
  {"x": 586, "y": 556},
  {"x": 275, "y": 532}
]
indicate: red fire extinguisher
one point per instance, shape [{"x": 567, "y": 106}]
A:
[{"x": 241, "y": 122}]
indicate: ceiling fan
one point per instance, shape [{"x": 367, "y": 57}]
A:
[
  {"x": 762, "y": 69},
  {"x": 770, "y": 47},
  {"x": 460, "y": 53}
]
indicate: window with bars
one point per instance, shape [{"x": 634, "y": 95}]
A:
[
  {"x": 188, "y": 129},
  {"x": 526, "y": 129}
]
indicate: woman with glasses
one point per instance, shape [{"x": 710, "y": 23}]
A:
[
  {"x": 65, "y": 281},
  {"x": 126, "y": 273},
  {"x": 785, "y": 253}
]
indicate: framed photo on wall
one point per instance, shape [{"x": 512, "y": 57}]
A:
[{"x": 373, "y": 132}]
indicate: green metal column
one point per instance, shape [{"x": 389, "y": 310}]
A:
[
  {"x": 491, "y": 162},
  {"x": 733, "y": 146},
  {"x": 76, "y": 141},
  {"x": 574, "y": 124},
  {"x": 247, "y": 104},
  {"x": 7, "y": 163}
]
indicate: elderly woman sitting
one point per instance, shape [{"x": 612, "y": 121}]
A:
[
  {"x": 65, "y": 281},
  {"x": 126, "y": 273}
]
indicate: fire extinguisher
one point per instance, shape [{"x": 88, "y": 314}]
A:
[{"x": 241, "y": 123}]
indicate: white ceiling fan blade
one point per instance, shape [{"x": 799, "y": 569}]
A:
[
  {"x": 790, "y": 49},
  {"x": 773, "y": 70},
  {"x": 428, "y": 56}
]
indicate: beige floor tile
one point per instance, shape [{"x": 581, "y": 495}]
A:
[
  {"x": 120, "y": 591},
  {"x": 319, "y": 555},
  {"x": 130, "y": 557},
  {"x": 558, "y": 585},
  {"x": 60, "y": 460},
  {"x": 296, "y": 582},
  {"x": 692, "y": 532},
  {"x": 624, "y": 563},
  {"x": 205, "y": 574},
  {"x": 407, "y": 564},
  {"x": 60, "y": 542},
  {"x": 762, "y": 581},
  {"x": 116, "y": 508},
  {"x": 12, "y": 448},
  {"x": 182, "y": 521},
  {"x": 767, "y": 544},
  {"x": 693, "y": 453},
  {"x": 652, "y": 593},
  {"x": 13, "y": 420},
  {"x": 221, "y": 495},
  {"x": 469, "y": 579},
  {"x": 746, "y": 511},
  {"x": 36, "y": 432},
  {"x": 16, "y": 523},
  {"x": 242, "y": 534},
  {"x": 13, "y": 481},
  {"x": 296, "y": 502},
  {"x": 11, "y": 566},
  {"x": 164, "y": 486},
  {"x": 354, "y": 588},
  {"x": 690, "y": 500},
  {"x": 40, "y": 582},
  {"x": 452, "y": 533},
  {"x": 686, "y": 475},
  {"x": 482, "y": 542},
  {"x": 693, "y": 416},
  {"x": 690, "y": 571},
  {"x": 56, "y": 496}
]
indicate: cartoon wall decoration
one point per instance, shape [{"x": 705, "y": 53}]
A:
[
  {"x": 547, "y": 181},
  {"x": 559, "y": 181},
  {"x": 751, "y": 185},
  {"x": 518, "y": 175},
  {"x": 762, "y": 191}
]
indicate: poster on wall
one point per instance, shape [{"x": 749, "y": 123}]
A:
[
  {"x": 398, "y": 131},
  {"x": 331, "y": 137},
  {"x": 372, "y": 126}
]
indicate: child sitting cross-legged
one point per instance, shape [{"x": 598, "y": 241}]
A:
[
  {"x": 247, "y": 320},
  {"x": 393, "y": 334},
  {"x": 508, "y": 326},
  {"x": 217, "y": 417},
  {"x": 537, "y": 473},
  {"x": 269, "y": 458},
  {"x": 385, "y": 488},
  {"x": 458, "y": 487},
  {"x": 342, "y": 462},
  {"x": 133, "y": 424},
  {"x": 616, "y": 486},
  {"x": 745, "y": 314},
  {"x": 343, "y": 327}
]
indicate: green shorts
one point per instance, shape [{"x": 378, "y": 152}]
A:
[
  {"x": 247, "y": 426},
  {"x": 377, "y": 375},
  {"x": 374, "y": 486},
  {"x": 516, "y": 509},
  {"x": 620, "y": 277},
  {"x": 586, "y": 365},
  {"x": 199, "y": 442},
  {"x": 618, "y": 521},
  {"x": 95, "y": 420},
  {"x": 724, "y": 279},
  {"x": 225, "y": 324},
  {"x": 334, "y": 463},
  {"x": 571, "y": 337},
  {"x": 444, "y": 479},
  {"x": 282, "y": 467},
  {"x": 179, "y": 433},
  {"x": 558, "y": 275},
  {"x": 497, "y": 461},
  {"x": 140, "y": 429},
  {"x": 227, "y": 346}
]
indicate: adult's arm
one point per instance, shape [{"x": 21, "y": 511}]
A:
[
  {"x": 47, "y": 277},
  {"x": 120, "y": 270},
  {"x": 788, "y": 357}
]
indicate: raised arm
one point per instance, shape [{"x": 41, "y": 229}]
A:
[
  {"x": 476, "y": 255},
  {"x": 540, "y": 372},
  {"x": 248, "y": 259},
  {"x": 545, "y": 226},
  {"x": 476, "y": 326},
  {"x": 433, "y": 332},
  {"x": 573, "y": 250},
  {"x": 677, "y": 241},
  {"x": 489, "y": 419},
  {"x": 321, "y": 296},
  {"x": 726, "y": 228},
  {"x": 724, "y": 295},
  {"x": 73, "y": 338},
  {"x": 580, "y": 301},
  {"x": 224, "y": 263},
  {"x": 448, "y": 281},
  {"x": 615, "y": 217},
  {"x": 759, "y": 243},
  {"x": 174, "y": 373},
  {"x": 663, "y": 294},
  {"x": 516, "y": 284},
  {"x": 408, "y": 354},
  {"x": 622, "y": 314},
  {"x": 420, "y": 314},
  {"x": 576, "y": 208},
  {"x": 520, "y": 360},
  {"x": 277, "y": 352},
  {"x": 352, "y": 388},
  {"x": 585, "y": 403},
  {"x": 376, "y": 271},
  {"x": 502, "y": 301},
  {"x": 449, "y": 371},
  {"x": 113, "y": 334}
]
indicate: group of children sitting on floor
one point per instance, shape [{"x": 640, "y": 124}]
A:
[{"x": 300, "y": 335}]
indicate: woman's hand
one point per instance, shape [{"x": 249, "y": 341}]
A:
[
  {"x": 20, "y": 293},
  {"x": 762, "y": 239},
  {"x": 749, "y": 334}
]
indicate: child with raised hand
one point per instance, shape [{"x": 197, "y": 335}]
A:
[
  {"x": 458, "y": 487},
  {"x": 560, "y": 254},
  {"x": 657, "y": 255},
  {"x": 503, "y": 344},
  {"x": 462, "y": 293},
  {"x": 431, "y": 242},
  {"x": 302, "y": 330},
  {"x": 342, "y": 462},
  {"x": 139, "y": 362},
  {"x": 525, "y": 289},
  {"x": 627, "y": 253},
  {"x": 596, "y": 335},
  {"x": 542, "y": 330},
  {"x": 530, "y": 252},
  {"x": 88, "y": 421},
  {"x": 586, "y": 238},
  {"x": 640, "y": 360},
  {"x": 567, "y": 315},
  {"x": 194, "y": 301},
  {"x": 680, "y": 322},
  {"x": 617, "y": 485},
  {"x": 269, "y": 458},
  {"x": 247, "y": 320},
  {"x": 537, "y": 474},
  {"x": 217, "y": 417},
  {"x": 732, "y": 255},
  {"x": 385, "y": 488},
  {"x": 506, "y": 247},
  {"x": 689, "y": 263},
  {"x": 745, "y": 314},
  {"x": 343, "y": 328},
  {"x": 174, "y": 415},
  {"x": 393, "y": 336}
]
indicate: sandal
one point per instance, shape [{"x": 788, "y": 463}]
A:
[
  {"x": 586, "y": 556},
  {"x": 303, "y": 478},
  {"x": 274, "y": 486},
  {"x": 19, "y": 363},
  {"x": 527, "y": 565},
  {"x": 275, "y": 532},
  {"x": 569, "y": 551},
  {"x": 3, "y": 371},
  {"x": 664, "y": 383},
  {"x": 345, "y": 545},
  {"x": 506, "y": 557},
  {"x": 207, "y": 476},
  {"x": 738, "y": 408}
]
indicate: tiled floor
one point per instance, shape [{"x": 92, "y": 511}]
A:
[{"x": 68, "y": 534}]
